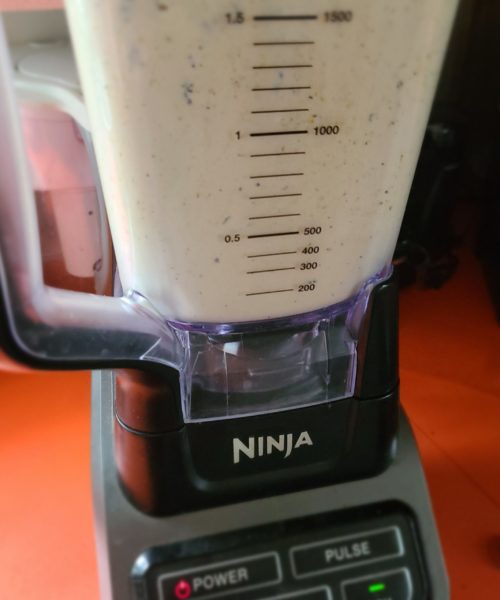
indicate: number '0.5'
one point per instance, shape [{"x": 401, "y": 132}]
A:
[{"x": 232, "y": 238}]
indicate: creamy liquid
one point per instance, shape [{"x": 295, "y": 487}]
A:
[{"x": 176, "y": 93}]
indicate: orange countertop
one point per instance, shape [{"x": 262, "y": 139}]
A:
[{"x": 450, "y": 387}]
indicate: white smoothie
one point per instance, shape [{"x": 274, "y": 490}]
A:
[{"x": 256, "y": 155}]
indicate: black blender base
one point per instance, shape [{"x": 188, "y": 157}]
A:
[{"x": 372, "y": 538}]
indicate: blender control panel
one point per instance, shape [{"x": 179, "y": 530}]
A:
[{"x": 324, "y": 557}]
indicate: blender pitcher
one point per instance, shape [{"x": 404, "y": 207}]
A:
[{"x": 255, "y": 160}]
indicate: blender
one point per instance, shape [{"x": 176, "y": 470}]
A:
[{"x": 255, "y": 159}]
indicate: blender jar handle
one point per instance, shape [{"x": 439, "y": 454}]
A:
[{"x": 43, "y": 325}]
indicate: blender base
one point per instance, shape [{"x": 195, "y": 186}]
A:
[{"x": 346, "y": 541}]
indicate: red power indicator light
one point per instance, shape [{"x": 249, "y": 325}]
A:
[{"x": 182, "y": 589}]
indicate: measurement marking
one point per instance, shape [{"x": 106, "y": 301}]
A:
[
  {"x": 273, "y": 196},
  {"x": 265, "y": 235},
  {"x": 270, "y": 270},
  {"x": 285, "y": 17},
  {"x": 275, "y": 154},
  {"x": 271, "y": 254},
  {"x": 291, "y": 132},
  {"x": 274, "y": 216},
  {"x": 283, "y": 67},
  {"x": 280, "y": 89},
  {"x": 281, "y": 110},
  {"x": 295, "y": 43},
  {"x": 276, "y": 175},
  {"x": 270, "y": 292}
]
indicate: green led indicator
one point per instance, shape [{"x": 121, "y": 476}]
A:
[{"x": 376, "y": 587}]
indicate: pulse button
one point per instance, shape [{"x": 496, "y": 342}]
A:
[
  {"x": 391, "y": 585},
  {"x": 221, "y": 579},
  {"x": 336, "y": 554}
]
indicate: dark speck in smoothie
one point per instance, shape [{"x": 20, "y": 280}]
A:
[{"x": 187, "y": 91}]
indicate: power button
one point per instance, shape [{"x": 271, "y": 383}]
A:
[{"x": 214, "y": 580}]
